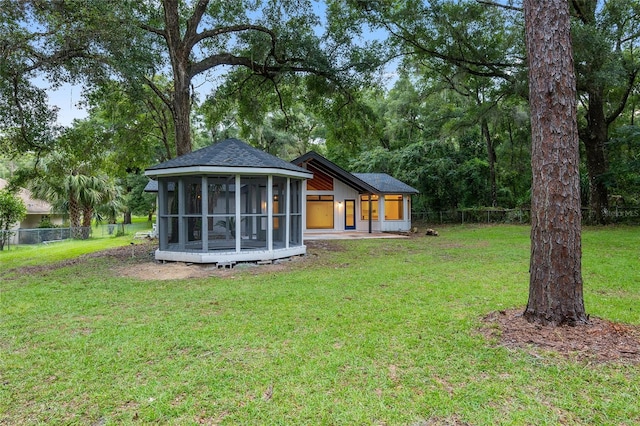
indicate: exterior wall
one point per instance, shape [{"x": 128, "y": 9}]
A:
[
  {"x": 341, "y": 192},
  {"x": 363, "y": 225},
  {"x": 403, "y": 225},
  {"x": 33, "y": 220}
]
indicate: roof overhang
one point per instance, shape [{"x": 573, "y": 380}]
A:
[
  {"x": 216, "y": 170},
  {"x": 335, "y": 171}
]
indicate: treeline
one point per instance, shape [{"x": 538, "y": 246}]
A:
[{"x": 433, "y": 93}]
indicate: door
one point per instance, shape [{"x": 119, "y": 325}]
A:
[{"x": 349, "y": 214}]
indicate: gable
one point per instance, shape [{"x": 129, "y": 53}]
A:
[
  {"x": 320, "y": 182},
  {"x": 312, "y": 160}
]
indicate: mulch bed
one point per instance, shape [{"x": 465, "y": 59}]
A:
[{"x": 600, "y": 341}]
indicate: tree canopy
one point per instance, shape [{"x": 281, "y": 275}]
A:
[{"x": 289, "y": 76}]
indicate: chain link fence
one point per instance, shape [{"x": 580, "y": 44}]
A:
[
  {"x": 620, "y": 215},
  {"x": 51, "y": 235}
]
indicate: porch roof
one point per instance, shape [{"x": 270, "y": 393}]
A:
[{"x": 226, "y": 154}]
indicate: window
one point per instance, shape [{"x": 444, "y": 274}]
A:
[
  {"x": 319, "y": 211},
  {"x": 364, "y": 207},
  {"x": 393, "y": 207}
]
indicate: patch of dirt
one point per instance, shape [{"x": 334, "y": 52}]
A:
[
  {"x": 601, "y": 341},
  {"x": 152, "y": 270},
  {"x": 136, "y": 253},
  {"x": 137, "y": 261}
]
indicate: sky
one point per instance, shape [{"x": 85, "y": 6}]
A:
[{"x": 66, "y": 98}]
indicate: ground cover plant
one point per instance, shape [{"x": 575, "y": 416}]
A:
[{"x": 357, "y": 332}]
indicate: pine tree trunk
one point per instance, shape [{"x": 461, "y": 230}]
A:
[{"x": 555, "y": 286}]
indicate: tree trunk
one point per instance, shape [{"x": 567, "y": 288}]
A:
[
  {"x": 181, "y": 117},
  {"x": 491, "y": 156},
  {"x": 87, "y": 215},
  {"x": 594, "y": 138},
  {"x": 74, "y": 217},
  {"x": 179, "y": 53},
  {"x": 555, "y": 286}
]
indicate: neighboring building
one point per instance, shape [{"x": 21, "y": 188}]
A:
[
  {"x": 341, "y": 201},
  {"x": 37, "y": 211},
  {"x": 228, "y": 203}
]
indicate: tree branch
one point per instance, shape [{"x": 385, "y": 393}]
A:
[
  {"x": 231, "y": 29},
  {"x": 194, "y": 21},
  {"x": 159, "y": 93},
  {"x": 463, "y": 63},
  {"x": 625, "y": 97},
  {"x": 161, "y": 33},
  {"x": 500, "y": 5}
]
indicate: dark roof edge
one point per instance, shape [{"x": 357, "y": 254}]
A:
[{"x": 344, "y": 175}]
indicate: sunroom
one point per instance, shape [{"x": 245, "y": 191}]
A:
[{"x": 229, "y": 203}]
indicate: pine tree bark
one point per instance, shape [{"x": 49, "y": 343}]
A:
[{"x": 555, "y": 286}]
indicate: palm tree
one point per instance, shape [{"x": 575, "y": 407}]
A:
[{"x": 73, "y": 186}]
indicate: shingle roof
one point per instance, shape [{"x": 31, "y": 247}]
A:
[
  {"x": 377, "y": 183},
  {"x": 34, "y": 206},
  {"x": 228, "y": 153},
  {"x": 335, "y": 171},
  {"x": 385, "y": 183}
]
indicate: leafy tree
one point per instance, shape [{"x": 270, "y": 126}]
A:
[
  {"x": 606, "y": 37},
  {"x": 72, "y": 177},
  {"x": 12, "y": 210},
  {"x": 267, "y": 41},
  {"x": 136, "y": 200},
  {"x": 483, "y": 39},
  {"x": 138, "y": 127},
  {"x": 555, "y": 287},
  {"x": 53, "y": 42}
]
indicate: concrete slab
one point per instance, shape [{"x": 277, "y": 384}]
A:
[{"x": 310, "y": 236}]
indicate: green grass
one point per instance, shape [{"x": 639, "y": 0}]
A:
[
  {"x": 380, "y": 332},
  {"x": 39, "y": 254}
]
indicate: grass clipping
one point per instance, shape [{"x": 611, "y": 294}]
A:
[{"x": 600, "y": 341}]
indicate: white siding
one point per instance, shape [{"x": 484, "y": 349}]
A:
[{"x": 341, "y": 192}]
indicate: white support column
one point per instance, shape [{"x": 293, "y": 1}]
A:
[
  {"x": 182, "y": 204},
  {"x": 162, "y": 213},
  {"x": 270, "y": 213},
  {"x": 381, "y": 212},
  {"x": 238, "y": 194},
  {"x": 204, "y": 193},
  {"x": 303, "y": 208},
  {"x": 287, "y": 230}
]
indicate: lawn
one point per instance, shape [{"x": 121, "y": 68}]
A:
[{"x": 380, "y": 332}]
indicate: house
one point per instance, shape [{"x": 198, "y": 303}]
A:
[
  {"x": 37, "y": 212},
  {"x": 337, "y": 200},
  {"x": 229, "y": 203}
]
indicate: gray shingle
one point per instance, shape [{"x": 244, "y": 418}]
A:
[
  {"x": 386, "y": 184},
  {"x": 228, "y": 153}
]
